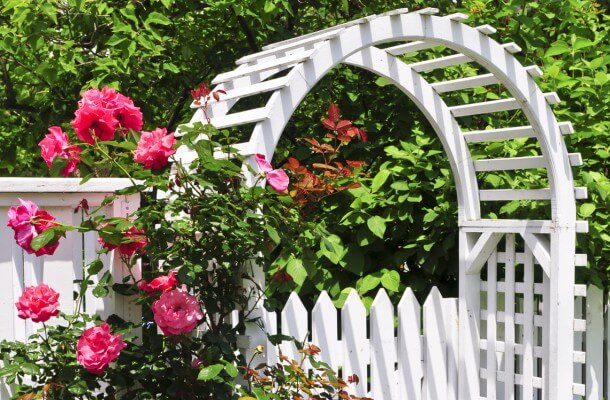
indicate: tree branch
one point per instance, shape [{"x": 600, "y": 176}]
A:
[
  {"x": 250, "y": 37},
  {"x": 11, "y": 97},
  {"x": 177, "y": 112}
]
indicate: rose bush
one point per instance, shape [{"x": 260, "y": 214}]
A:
[{"x": 198, "y": 226}]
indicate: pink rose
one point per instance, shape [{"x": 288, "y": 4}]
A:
[
  {"x": 28, "y": 222},
  {"x": 97, "y": 348},
  {"x": 55, "y": 144},
  {"x": 93, "y": 122},
  {"x": 132, "y": 240},
  {"x": 176, "y": 312},
  {"x": 122, "y": 108},
  {"x": 159, "y": 284},
  {"x": 154, "y": 148},
  {"x": 38, "y": 303},
  {"x": 277, "y": 178}
]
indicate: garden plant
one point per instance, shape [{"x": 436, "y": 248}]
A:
[{"x": 198, "y": 227}]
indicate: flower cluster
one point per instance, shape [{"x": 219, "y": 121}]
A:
[
  {"x": 101, "y": 112},
  {"x": 100, "y": 115}
]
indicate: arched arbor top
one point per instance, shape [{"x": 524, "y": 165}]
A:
[{"x": 308, "y": 58}]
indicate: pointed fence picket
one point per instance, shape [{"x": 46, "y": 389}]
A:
[{"x": 390, "y": 356}]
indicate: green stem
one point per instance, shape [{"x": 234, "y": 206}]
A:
[{"x": 105, "y": 154}]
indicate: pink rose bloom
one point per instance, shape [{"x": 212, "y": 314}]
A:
[
  {"x": 97, "y": 348},
  {"x": 154, "y": 148},
  {"x": 55, "y": 144},
  {"x": 277, "y": 178},
  {"x": 159, "y": 284},
  {"x": 38, "y": 303},
  {"x": 122, "y": 108},
  {"x": 176, "y": 312},
  {"x": 28, "y": 222},
  {"x": 133, "y": 239},
  {"x": 93, "y": 122}
]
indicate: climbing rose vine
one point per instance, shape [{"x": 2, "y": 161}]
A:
[{"x": 182, "y": 255}]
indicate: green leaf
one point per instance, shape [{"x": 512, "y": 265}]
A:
[
  {"x": 557, "y": 48},
  {"x": 95, "y": 266},
  {"x": 231, "y": 370},
  {"x": 391, "y": 281},
  {"x": 367, "y": 284},
  {"x": 381, "y": 82},
  {"x": 210, "y": 372},
  {"x": 376, "y": 224},
  {"x": 296, "y": 269},
  {"x": 380, "y": 179},
  {"x": 587, "y": 209},
  {"x": 43, "y": 238},
  {"x": 157, "y": 18},
  {"x": 273, "y": 235}
]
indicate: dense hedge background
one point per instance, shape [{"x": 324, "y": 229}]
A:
[{"x": 157, "y": 50}]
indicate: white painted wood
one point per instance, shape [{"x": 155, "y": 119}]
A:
[
  {"x": 469, "y": 383},
  {"x": 383, "y": 348},
  {"x": 490, "y": 135},
  {"x": 422, "y": 45},
  {"x": 324, "y": 330},
  {"x": 294, "y": 323},
  {"x": 277, "y": 51},
  {"x": 541, "y": 248},
  {"x": 355, "y": 343},
  {"x": 450, "y": 312},
  {"x": 484, "y": 107},
  {"x": 516, "y": 163},
  {"x": 512, "y": 47},
  {"x": 440, "y": 62},
  {"x": 494, "y": 106},
  {"x": 528, "y": 326},
  {"x": 252, "y": 90},
  {"x": 10, "y": 282},
  {"x": 490, "y": 317},
  {"x": 269, "y": 319},
  {"x": 517, "y": 226},
  {"x": 481, "y": 251},
  {"x": 410, "y": 367},
  {"x": 509, "y": 319},
  {"x": 594, "y": 343},
  {"x": 427, "y": 11},
  {"x": 58, "y": 270},
  {"x": 24, "y": 186},
  {"x": 465, "y": 83},
  {"x": 281, "y": 62},
  {"x": 566, "y": 127},
  {"x": 525, "y": 194},
  {"x": 459, "y": 17},
  {"x": 240, "y": 118},
  {"x": 435, "y": 372}
]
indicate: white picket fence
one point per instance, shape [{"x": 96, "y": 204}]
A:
[{"x": 413, "y": 358}]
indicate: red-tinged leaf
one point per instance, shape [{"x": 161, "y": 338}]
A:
[
  {"x": 327, "y": 148},
  {"x": 343, "y": 125},
  {"x": 363, "y": 135},
  {"x": 333, "y": 112},
  {"x": 330, "y": 136},
  {"x": 221, "y": 91},
  {"x": 292, "y": 164},
  {"x": 328, "y": 124},
  {"x": 323, "y": 166},
  {"x": 312, "y": 141},
  {"x": 216, "y": 96},
  {"x": 355, "y": 164},
  {"x": 344, "y": 138}
]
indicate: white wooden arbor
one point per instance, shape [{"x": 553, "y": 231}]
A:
[{"x": 516, "y": 337}]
